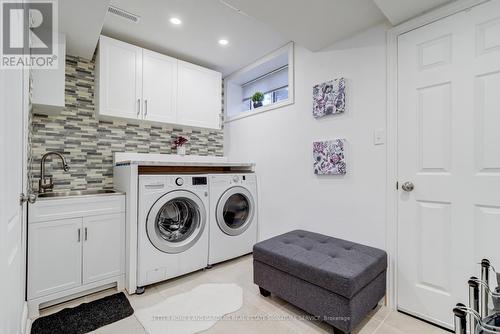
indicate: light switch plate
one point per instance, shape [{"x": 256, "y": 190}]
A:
[{"x": 379, "y": 137}]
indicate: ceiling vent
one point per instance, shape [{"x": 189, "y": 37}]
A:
[{"x": 124, "y": 14}]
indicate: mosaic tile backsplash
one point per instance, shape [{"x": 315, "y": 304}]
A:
[{"x": 89, "y": 143}]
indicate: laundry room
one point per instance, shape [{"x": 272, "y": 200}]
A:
[{"x": 278, "y": 166}]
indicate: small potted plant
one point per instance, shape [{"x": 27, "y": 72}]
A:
[
  {"x": 257, "y": 99},
  {"x": 179, "y": 144}
]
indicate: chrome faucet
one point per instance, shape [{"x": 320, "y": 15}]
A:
[{"x": 46, "y": 184}]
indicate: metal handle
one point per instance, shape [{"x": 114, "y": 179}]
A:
[
  {"x": 473, "y": 303},
  {"x": 460, "y": 318},
  {"x": 138, "y": 107},
  {"x": 485, "y": 277},
  {"x": 145, "y": 107},
  {"x": 408, "y": 186},
  {"x": 79, "y": 234},
  {"x": 86, "y": 234},
  {"x": 30, "y": 198}
]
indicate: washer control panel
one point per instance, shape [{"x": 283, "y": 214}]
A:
[
  {"x": 200, "y": 181},
  {"x": 179, "y": 181}
]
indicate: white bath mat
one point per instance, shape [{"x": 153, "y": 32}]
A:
[{"x": 193, "y": 311}]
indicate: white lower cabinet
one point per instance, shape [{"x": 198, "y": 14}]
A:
[
  {"x": 103, "y": 241},
  {"x": 55, "y": 257},
  {"x": 75, "y": 246}
]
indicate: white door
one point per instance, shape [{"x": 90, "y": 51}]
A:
[
  {"x": 199, "y": 97},
  {"x": 13, "y": 120},
  {"x": 119, "y": 79},
  {"x": 159, "y": 80},
  {"x": 55, "y": 256},
  {"x": 103, "y": 247},
  {"x": 449, "y": 148}
]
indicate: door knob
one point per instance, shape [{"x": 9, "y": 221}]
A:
[{"x": 408, "y": 186}]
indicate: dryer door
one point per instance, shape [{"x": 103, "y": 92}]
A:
[
  {"x": 176, "y": 221},
  {"x": 235, "y": 211}
]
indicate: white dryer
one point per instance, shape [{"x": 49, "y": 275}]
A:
[
  {"x": 173, "y": 226},
  {"x": 233, "y": 216}
]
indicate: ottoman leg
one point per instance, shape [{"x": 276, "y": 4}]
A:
[{"x": 264, "y": 292}]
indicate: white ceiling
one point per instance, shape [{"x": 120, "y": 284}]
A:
[
  {"x": 204, "y": 22},
  {"x": 81, "y": 22},
  {"x": 398, "y": 11},
  {"x": 254, "y": 28},
  {"x": 314, "y": 24}
]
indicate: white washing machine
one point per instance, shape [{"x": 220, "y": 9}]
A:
[
  {"x": 173, "y": 226},
  {"x": 233, "y": 216}
]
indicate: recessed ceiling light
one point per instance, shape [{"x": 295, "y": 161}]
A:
[
  {"x": 175, "y": 20},
  {"x": 223, "y": 42}
]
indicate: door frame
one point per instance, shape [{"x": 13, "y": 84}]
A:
[{"x": 392, "y": 131}]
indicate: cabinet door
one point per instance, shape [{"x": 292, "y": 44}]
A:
[
  {"x": 199, "y": 96},
  {"x": 119, "y": 79},
  {"x": 159, "y": 78},
  {"x": 103, "y": 247},
  {"x": 48, "y": 89},
  {"x": 54, "y": 256}
]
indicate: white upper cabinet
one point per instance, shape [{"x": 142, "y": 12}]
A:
[
  {"x": 138, "y": 84},
  {"x": 159, "y": 82},
  {"x": 48, "y": 94},
  {"x": 199, "y": 97},
  {"x": 119, "y": 79}
]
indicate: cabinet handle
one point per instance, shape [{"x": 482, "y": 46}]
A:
[
  {"x": 86, "y": 234},
  {"x": 145, "y": 108},
  {"x": 79, "y": 234},
  {"x": 138, "y": 107}
]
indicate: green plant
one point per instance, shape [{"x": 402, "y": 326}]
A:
[{"x": 258, "y": 97}]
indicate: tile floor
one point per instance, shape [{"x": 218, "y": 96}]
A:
[{"x": 380, "y": 321}]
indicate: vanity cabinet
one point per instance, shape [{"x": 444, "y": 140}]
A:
[
  {"x": 75, "y": 245},
  {"x": 55, "y": 261},
  {"x": 102, "y": 248},
  {"x": 133, "y": 83}
]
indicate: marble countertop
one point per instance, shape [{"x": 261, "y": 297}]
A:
[
  {"x": 144, "y": 159},
  {"x": 185, "y": 163}
]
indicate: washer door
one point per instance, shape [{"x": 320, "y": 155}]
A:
[
  {"x": 176, "y": 221},
  {"x": 235, "y": 211}
]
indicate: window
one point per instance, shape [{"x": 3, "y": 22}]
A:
[
  {"x": 272, "y": 76},
  {"x": 277, "y": 95}
]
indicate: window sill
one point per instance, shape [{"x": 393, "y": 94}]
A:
[{"x": 258, "y": 110}]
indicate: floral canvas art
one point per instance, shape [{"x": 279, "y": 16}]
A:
[
  {"x": 329, "y": 157},
  {"x": 329, "y": 98}
]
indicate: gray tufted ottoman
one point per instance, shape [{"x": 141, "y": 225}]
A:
[{"x": 336, "y": 280}]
